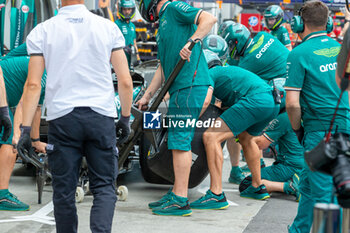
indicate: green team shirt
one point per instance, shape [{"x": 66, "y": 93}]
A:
[
  {"x": 290, "y": 151},
  {"x": 128, "y": 30},
  {"x": 15, "y": 72},
  {"x": 282, "y": 35},
  {"x": 232, "y": 83},
  {"x": 311, "y": 70},
  {"x": 177, "y": 23},
  {"x": 17, "y": 52},
  {"x": 265, "y": 57}
]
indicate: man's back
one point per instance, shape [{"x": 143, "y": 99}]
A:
[
  {"x": 77, "y": 47},
  {"x": 316, "y": 59},
  {"x": 232, "y": 82},
  {"x": 266, "y": 57},
  {"x": 176, "y": 25}
]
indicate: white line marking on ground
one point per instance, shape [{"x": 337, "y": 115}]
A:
[{"x": 38, "y": 216}]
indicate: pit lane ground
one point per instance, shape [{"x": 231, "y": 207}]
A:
[{"x": 133, "y": 215}]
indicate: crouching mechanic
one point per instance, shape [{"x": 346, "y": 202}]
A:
[
  {"x": 274, "y": 18},
  {"x": 283, "y": 175},
  {"x": 14, "y": 72},
  {"x": 263, "y": 55},
  {"x": 179, "y": 25},
  {"x": 126, "y": 13},
  {"x": 251, "y": 107},
  {"x": 312, "y": 96}
]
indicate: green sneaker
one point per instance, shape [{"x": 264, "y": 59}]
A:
[
  {"x": 292, "y": 187},
  {"x": 236, "y": 175},
  {"x": 246, "y": 182},
  {"x": 259, "y": 193},
  {"x": 246, "y": 169},
  {"x": 175, "y": 206},
  {"x": 10, "y": 202},
  {"x": 161, "y": 201},
  {"x": 210, "y": 201}
]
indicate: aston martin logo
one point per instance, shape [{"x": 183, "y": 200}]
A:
[
  {"x": 328, "y": 52},
  {"x": 258, "y": 44}
]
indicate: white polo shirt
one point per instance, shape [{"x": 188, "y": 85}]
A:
[{"x": 77, "y": 47}]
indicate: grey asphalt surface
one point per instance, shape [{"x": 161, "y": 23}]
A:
[{"x": 133, "y": 215}]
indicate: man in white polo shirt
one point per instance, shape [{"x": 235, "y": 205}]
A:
[{"x": 76, "y": 47}]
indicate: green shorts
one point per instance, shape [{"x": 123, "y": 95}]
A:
[
  {"x": 251, "y": 113},
  {"x": 279, "y": 172},
  {"x": 185, "y": 105},
  {"x": 9, "y": 140}
]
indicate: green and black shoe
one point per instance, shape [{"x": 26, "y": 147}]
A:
[
  {"x": 236, "y": 175},
  {"x": 259, "y": 193},
  {"x": 10, "y": 202},
  {"x": 164, "y": 199},
  {"x": 292, "y": 187},
  {"x": 175, "y": 206},
  {"x": 210, "y": 201}
]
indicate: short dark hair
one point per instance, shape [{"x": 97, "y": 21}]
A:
[{"x": 315, "y": 13}]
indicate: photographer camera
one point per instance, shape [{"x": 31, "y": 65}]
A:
[{"x": 312, "y": 97}]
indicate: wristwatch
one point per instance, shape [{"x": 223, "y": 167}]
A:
[{"x": 35, "y": 139}]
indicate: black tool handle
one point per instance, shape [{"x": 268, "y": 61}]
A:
[{"x": 169, "y": 82}]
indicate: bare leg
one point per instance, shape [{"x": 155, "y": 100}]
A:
[
  {"x": 234, "y": 149},
  {"x": 182, "y": 161},
  {"x": 7, "y": 162},
  {"x": 252, "y": 155},
  {"x": 212, "y": 139},
  {"x": 272, "y": 186}
]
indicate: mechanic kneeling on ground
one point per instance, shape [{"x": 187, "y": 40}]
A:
[{"x": 283, "y": 175}]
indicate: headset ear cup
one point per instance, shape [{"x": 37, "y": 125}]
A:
[
  {"x": 329, "y": 27},
  {"x": 297, "y": 24}
]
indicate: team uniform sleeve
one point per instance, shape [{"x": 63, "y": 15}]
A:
[
  {"x": 295, "y": 73},
  {"x": 285, "y": 39},
  {"x": 34, "y": 41},
  {"x": 118, "y": 41},
  {"x": 277, "y": 128},
  {"x": 343, "y": 54},
  {"x": 186, "y": 14}
]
